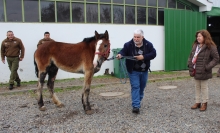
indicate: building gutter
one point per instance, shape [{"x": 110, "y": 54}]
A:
[
  {"x": 214, "y": 12},
  {"x": 204, "y": 5}
]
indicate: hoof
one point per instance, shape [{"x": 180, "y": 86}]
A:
[
  {"x": 89, "y": 112},
  {"x": 60, "y": 105},
  {"x": 43, "y": 108}
]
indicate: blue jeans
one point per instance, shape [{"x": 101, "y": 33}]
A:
[{"x": 138, "y": 81}]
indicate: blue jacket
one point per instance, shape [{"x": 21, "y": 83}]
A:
[{"x": 129, "y": 50}]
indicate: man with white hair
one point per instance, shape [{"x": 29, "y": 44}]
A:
[{"x": 143, "y": 51}]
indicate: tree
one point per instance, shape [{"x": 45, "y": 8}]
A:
[
  {"x": 63, "y": 12},
  {"x": 152, "y": 16},
  {"x": 118, "y": 14},
  {"x": 105, "y": 15},
  {"x": 92, "y": 13},
  {"x": 77, "y": 13},
  {"x": 141, "y": 15},
  {"x": 130, "y": 15},
  {"x": 48, "y": 13}
]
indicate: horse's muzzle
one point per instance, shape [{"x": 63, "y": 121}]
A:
[{"x": 99, "y": 63}]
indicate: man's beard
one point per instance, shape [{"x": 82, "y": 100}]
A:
[{"x": 137, "y": 43}]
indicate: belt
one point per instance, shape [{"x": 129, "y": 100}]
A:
[{"x": 12, "y": 56}]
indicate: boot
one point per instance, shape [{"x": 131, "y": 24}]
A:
[
  {"x": 10, "y": 86},
  {"x": 204, "y": 107},
  {"x": 135, "y": 110},
  {"x": 196, "y": 105},
  {"x": 18, "y": 84}
]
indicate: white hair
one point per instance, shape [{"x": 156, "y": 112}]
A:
[{"x": 139, "y": 31}]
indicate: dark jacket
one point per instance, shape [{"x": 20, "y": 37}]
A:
[
  {"x": 129, "y": 50},
  {"x": 206, "y": 60},
  {"x": 43, "y": 41},
  {"x": 12, "y": 48}
]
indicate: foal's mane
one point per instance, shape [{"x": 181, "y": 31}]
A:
[{"x": 90, "y": 39}]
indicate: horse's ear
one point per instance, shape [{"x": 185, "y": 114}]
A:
[
  {"x": 96, "y": 35},
  {"x": 106, "y": 35}
]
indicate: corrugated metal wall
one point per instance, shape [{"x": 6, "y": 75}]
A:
[{"x": 180, "y": 29}]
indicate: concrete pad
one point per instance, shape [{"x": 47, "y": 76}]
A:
[
  {"x": 124, "y": 95},
  {"x": 167, "y": 87},
  {"x": 111, "y": 94}
]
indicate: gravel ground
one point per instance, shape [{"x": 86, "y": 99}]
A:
[{"x": 162, "y": 111}]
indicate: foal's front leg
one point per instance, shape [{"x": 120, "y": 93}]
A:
[
  {"x": 39, "y": 91},
  {"x": 85, "y": 95}
]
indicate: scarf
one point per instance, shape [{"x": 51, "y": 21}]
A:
[{"x": 194, "y": 59}]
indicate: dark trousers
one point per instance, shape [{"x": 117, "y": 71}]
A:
[{"x": 13, "y": 64}]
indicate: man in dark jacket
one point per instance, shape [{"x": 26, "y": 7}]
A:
[
  {"x": 45, "y": 39},
  {"x": 143, "y": 51},
  {"x": 12, "y": 48}
]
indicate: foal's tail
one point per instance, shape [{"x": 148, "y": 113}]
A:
[{"x": 36, "y": 68}]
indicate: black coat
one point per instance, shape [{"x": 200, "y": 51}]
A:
[{"x": 129, "y": 50}]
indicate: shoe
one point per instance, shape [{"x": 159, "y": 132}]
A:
[
  {"x": 203, "y": 107},
  {"x": 18, "y": 84},
  {"x": 135, "y": 110},
  {"x": 196, "y": 105},
  {"x": 10, "y": 86}
]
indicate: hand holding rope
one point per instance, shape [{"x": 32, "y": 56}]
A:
[
  {"x": 123, "y": 57},
  {"x": 122, "y": 67}
]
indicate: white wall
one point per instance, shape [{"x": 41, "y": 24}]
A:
[
  {"x": 31, "y": 33},
  {"x": 216, "y": 3}
]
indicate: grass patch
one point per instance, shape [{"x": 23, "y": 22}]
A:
[
  {"x": 57, "y": 90},
  {"x": 169, "y": 79},
  {"x": 18, "y": 93},
  {"x": 103, "y": 76},
  {"x": 22, "y": 83},
  {"x": 32, "y": 93},
  {"x": 63, "y": 80},
  {"x": 161, "y": 72},
  {"x": 28, "y": 83},
  {"x": 98, "y": 86},
  {"x": 25, "y": 83}
]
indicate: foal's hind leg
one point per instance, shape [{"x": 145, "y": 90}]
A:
[
  {"x": 52, "y": 72},
  {"x": 40, "y": 89},
  {"x": 85, "y": 95}
]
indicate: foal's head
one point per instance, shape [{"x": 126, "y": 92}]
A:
[{"x": 102, "y": 49}]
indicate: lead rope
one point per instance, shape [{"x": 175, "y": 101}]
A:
[
  {"x": 123, "y": 71},
  {"x": 122, "y": 68}
]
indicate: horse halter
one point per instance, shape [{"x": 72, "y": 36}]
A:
[{"x": 106, "y": 53}]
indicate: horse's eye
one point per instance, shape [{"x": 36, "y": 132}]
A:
[{"x": 105, "y": 45}]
